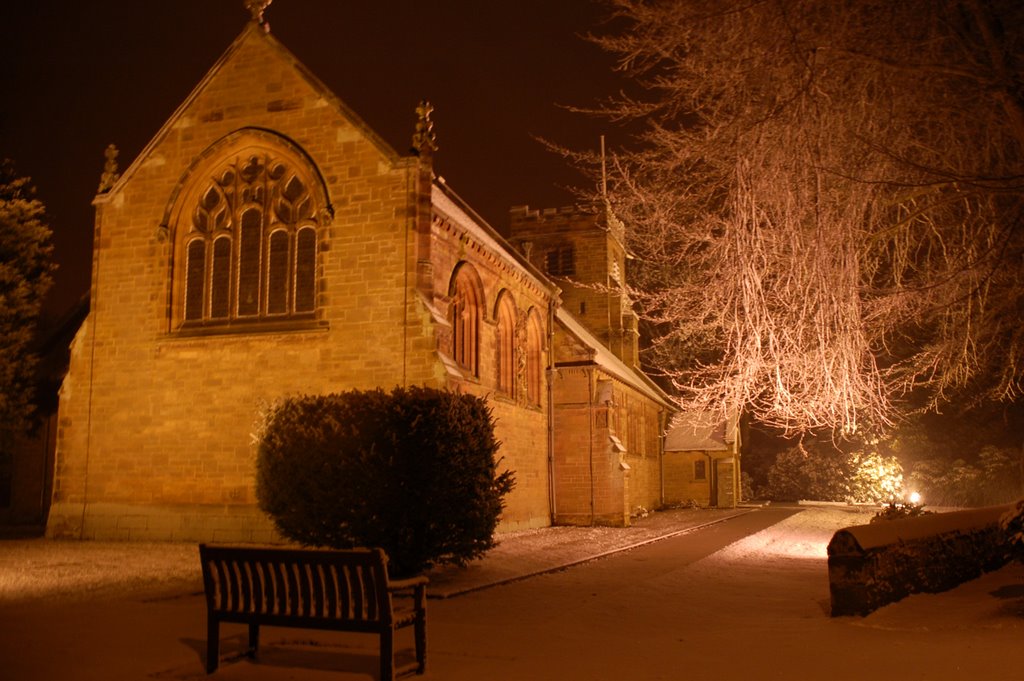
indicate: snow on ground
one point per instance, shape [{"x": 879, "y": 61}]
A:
[
  {"x": 756, "y": 609},
  {"x": 33, "y": 569},
  {"x": 785, "y": 558},
  {"x": 771, "y": 591},
  {"x": 46, "y": 569}
]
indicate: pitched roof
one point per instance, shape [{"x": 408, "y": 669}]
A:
[
  {"x": 449, "y": 204},
  {"x": 607, "y": 361},
  {"x": 689, "y": 433}
]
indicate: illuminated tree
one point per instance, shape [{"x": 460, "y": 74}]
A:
[
  {"x": 25, "y": 276},
  {"x": 875, "y": 479},
  {"x": 818, "y": 470},
  {"x": 825, "y": 201}
]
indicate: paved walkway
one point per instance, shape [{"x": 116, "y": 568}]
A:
[{"x": 524, "y": 554}]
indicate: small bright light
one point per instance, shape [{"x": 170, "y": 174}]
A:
[{"x": 915, "y": 498}]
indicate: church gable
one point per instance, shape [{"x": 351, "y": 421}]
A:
[
  {"x": 259, "y": 84},
  {"x": 256, "y": 195}
]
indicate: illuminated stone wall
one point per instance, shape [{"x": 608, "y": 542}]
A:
[
  {"x": 607, "y": 450},
  {"x": 607, "y": 456},
  {"x": 521, "y": 426},
  {"x": 683, "y": 486}
]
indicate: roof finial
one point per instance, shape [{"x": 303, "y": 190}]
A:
[
  {"x": 424, "y": 140},
  {"x": 257, "y": 8},
  {"x": 110, "y": 174}
]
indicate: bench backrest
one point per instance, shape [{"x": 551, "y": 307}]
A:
[{"x": 340, "y": 585}]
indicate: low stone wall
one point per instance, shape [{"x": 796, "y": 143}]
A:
[{"x": 872, "y": 565}]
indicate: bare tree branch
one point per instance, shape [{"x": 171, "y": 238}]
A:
[{"x": 825, "y": 201}]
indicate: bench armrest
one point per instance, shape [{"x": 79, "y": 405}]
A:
[{"x": 400, "y": 584}]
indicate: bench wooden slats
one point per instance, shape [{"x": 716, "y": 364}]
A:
[
  {"x": 345, "y": 591},
  {"x": 335, "y": 590},
  {"x": 276, "y": 573},
  {"x": 256, "y": 570}
]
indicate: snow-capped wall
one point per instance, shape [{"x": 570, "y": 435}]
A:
[{"x": 872, "y": 565}]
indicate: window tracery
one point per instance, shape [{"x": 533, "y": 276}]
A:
[{"x": 250, "y": 246}]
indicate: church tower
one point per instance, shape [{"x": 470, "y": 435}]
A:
[{"x": 583, "y": 251}]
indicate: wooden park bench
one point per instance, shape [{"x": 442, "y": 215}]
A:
[{"x": 332, "y": 590}]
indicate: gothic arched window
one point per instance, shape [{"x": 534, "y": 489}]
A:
[
  {"x": 505, "y": 314},
  {"x": 464, "y": 315},
  {"x": 249, "y": 243}
]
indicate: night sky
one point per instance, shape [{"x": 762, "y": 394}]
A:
[{"x": 80, "y": 75}]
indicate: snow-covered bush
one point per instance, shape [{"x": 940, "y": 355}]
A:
[
  {"x": 746, "y": 486},
  {"x": 1000, "y": 474},
  {"x": 896, "y": 510},
  {"x": 413, "y": 471},
  {"x": 1012, "y": 523},
  {"x": 800, "y": 474},
  {"x": 831, "y": 475},
  {"x": 992, "y": 479}
]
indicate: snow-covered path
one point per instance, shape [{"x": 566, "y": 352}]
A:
[
  {"x": 756, "y": 609},
  {"x": 779, "y": 577}
]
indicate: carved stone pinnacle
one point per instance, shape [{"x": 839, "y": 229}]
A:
[
  {"x": 424, "y": 141},
  {"x": 257, "y": 8},
  {"x": 110, "y": 174}
]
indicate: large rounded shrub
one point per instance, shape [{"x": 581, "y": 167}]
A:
[{"x": 412, "y": 471}]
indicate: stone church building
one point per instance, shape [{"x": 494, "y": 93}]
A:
[{"x": 268, "y": 243}]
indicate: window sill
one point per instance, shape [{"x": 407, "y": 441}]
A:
[{"x": 254, "y": 327}]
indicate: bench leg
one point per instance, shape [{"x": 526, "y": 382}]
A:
[
  {"x": 254, "y": 639},
  {"x": 387, "y": 655},
  {"x": 420, "y": 634},
  {"x": 212, "y": 644}
]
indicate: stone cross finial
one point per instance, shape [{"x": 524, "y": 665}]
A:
[
  {"x": 424, "y": 140},
  {"x": 257, "y": 8},
  {"x": 110, "y": 174}
]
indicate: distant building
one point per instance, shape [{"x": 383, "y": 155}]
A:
[
  {"x": 702, "y": 462},
  {"x": 268, "y": 243}
]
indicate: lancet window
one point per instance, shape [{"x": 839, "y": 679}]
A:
[
  {"x": 505, "y": 314},
  {"x": 464, "y": 315}
]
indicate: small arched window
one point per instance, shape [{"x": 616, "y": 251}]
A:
[
  {"x": 534, "y": 358},
  {"x": 249, "y": 243},
  {"x": 505, "y": 345},
  {"x": 560, "y": 261},
  {"x": 464, "y": 315}
]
